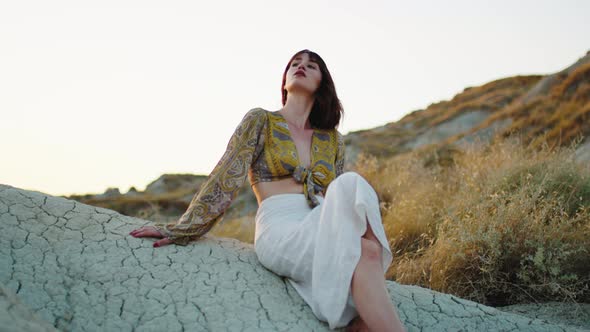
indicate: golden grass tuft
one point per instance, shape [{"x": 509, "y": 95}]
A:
[{"x": 498, "y": 224}]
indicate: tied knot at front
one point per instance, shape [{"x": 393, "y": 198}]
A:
[{"x": 310, "y": 180}]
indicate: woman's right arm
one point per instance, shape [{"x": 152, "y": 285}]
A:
[{"x": 218, "y": 191}]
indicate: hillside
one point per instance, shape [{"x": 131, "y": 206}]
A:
[
  {"x": 552, "y": 109},
  {"x": 440, "y": 120}
]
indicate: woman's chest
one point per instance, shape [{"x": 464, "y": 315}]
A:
[
  {"x": 286, "y": 149},
  {"x": 302, "y": 141}
]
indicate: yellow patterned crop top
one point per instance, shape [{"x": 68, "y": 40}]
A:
[{"x": 261, "y": 148}]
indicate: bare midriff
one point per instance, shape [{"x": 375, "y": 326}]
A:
[{"x": 263, "y": 190}]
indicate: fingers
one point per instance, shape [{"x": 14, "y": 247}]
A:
[
  {"x": 162, "y": 242},
  {"x": 140, "y": 232},
  {"x": 152, "y": 232},
  {"x": 146, "y": 231}
]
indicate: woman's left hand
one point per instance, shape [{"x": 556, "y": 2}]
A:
[{"x": 150, "y": 231}]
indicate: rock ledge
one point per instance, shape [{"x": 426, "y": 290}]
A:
[{"x": 74, "y": 267}]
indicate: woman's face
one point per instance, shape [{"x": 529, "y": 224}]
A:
[{"x": 303, "y": 75}]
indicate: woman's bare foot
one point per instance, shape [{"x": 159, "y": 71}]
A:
[{"x": 357, "y": 325}]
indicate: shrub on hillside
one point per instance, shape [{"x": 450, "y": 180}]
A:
[{"x": 500, "y": 224}]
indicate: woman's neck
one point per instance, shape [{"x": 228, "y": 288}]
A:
[{"x": 297, "y": 109}]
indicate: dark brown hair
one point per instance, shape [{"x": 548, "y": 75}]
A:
[{"x": 327, "y": 109}]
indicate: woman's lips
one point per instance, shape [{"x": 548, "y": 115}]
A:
[{"x": 299, "y": 72}]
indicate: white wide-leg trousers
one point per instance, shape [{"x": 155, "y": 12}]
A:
[{"x": 318, "y": 249}]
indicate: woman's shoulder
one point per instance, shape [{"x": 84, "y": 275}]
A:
[
  {"x": 255, "y": 114},
  {"x": 257, "y": 111}
]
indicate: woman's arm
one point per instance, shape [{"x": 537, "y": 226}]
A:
[{"x": 218, "y": 191}]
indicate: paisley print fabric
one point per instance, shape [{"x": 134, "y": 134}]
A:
[
  {"x": 280, "y": 158},
  {"x": 260, "y": 148}
]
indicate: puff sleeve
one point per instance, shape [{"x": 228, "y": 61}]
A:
[
  {"x": 221, "y": 186},
  {"x": 339, "y": 163}
]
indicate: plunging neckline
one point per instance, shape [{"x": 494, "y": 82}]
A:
[{"x": 295, "y": 145}]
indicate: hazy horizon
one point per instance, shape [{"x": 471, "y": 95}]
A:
[{"x": 115, "y": 94}]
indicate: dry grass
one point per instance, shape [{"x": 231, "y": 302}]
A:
[
  {"x": 238, "y": 228},
  {"x": 499, "y": 224}
]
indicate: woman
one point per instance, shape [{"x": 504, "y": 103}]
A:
[{"x": 315, "y": 225}]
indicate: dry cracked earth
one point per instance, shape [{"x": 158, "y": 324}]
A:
[{"x": 68, "y": 266}]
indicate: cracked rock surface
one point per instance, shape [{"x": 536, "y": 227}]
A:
[{"x": 73, "y": 267}]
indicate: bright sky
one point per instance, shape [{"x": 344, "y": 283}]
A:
[{"x": 113, "y": 93}]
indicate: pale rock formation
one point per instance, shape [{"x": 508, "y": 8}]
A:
[
  {"x": 484, "y": 135},
  {"x": 459, "y": 124},
  {"x": 75, "y": 267},
  {"x": 582, "y": 154},
  {"x": 167, "y": 183},
  {"x": 109, "y": 193}
]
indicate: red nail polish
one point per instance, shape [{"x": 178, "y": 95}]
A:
[{"x": 156, "y": 245}]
